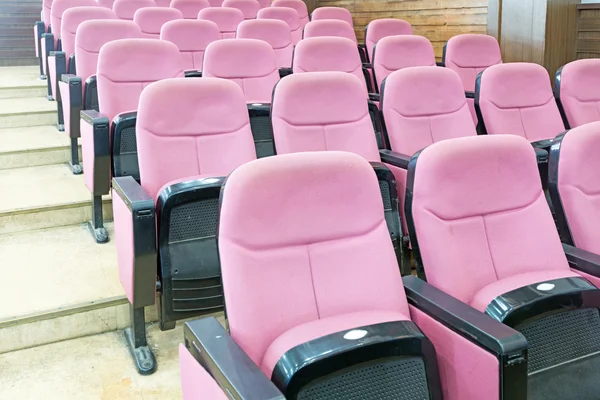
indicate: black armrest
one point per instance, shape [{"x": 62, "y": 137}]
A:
[
  {"x": 226, "y": 362},
  {"x": 375, "y": 97},
  {"x": 262, "y": 130},
  {"x": 71, "y": 65},
  {"x": 440, "y": 64},
  {"x": 396, "y": 159},
  {"x": 542, "y": 144},
  {"x": 124, "y": 161},
  {"x": 90, "y": 94},
  {"x": 541, "y": 155},
  {"x": 283, "y": 72},
  {"x": 48, "y": 38},
  {"x": 463, "y": 319},
  {"x": 101, "y": 138},
  {"x": 470, "y": 95},
  {"x": 582, "y": 260},
  {"x": 377, "y": 124},
  {"x": 362, "y": 50},
  {"x": 75, "y": 103},
  {"x": 367, "y": 77},
  {"x": 193, "y": 74}
]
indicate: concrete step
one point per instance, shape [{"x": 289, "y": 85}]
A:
[
  {"x": 22, "y": 82},
  {"x": 18, "y": 61},
  {"x": 23, "y": 112}
]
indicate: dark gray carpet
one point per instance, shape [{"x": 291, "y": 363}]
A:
[{"x": 575, "y": 381}]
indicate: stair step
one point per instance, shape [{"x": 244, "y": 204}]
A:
[
  {"x": 21, "y": 31},
  {"x": 35, "y": 111},
  {"x": 22, "y": 82},
  {"x": 20, "y": 52},
  {"x": 44, "y": 197},
  {"x": 17, "y": 42},
  {"x": 18, "y": 61}
]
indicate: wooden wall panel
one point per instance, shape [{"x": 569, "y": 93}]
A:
[
  {"x": 438, "y": 20},
  {"x": 588, "y": 31}
]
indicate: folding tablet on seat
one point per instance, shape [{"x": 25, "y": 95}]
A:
[
  {"x": 469, "y": 55},
  {"x": 252, "y": 64},
  {"x": 52, "y": 42},
  {"x": 41, "y": 27},
  {"x": 248, "y": 7},
  {"x": 191, "y": 133},
  {"x": 108, "y": 138},
  {"x": 226, "y": 18},
  {"x": 329, "y": 27},
  {"x": 476, "y": 209},
  {"x": 380, "y": 28},
  {"x": 576, "y": 90},
  {"x": 191, "y": 38},
  {"x": 276, "y": 33},
  {"x": 306, "y": 320},
  {"x": 298, "y": 5},
  {"x": 190, "y": 8},
  {"x": 79, "y": 92},
  {"x": 125, "y": 9},
  {"x": 332, "y": 13},
  {"x": 288, "y": 15},
  {"x": 152, "y": 19}
]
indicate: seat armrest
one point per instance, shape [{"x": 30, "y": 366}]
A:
[
  {"x": 95, "y": 146},
  {"x": 226, "y": 362},
  {"x": 72, "y": 65},
  {"x": 470, "y": 95},
  {"x": 486, "y": 332},
  {"x": 262, "y": 130},
  {"x": 367, "y": 76},
  {"x": 541, "y": 155},
  {"x": 283, "y": 72},
  {"x": 362, "y": 51},
  {"x": 374, "y": 97},
  {"x": 48, "y": 39},
  {"x": 72, "y": 103},
  {"x": 90, "y": 94},
  {"x": 193, "y": 74},
  {"x": 582, "y": 260},
  {"x": 396, "y": 159},
  {"x": 542, "y": 144},
  {"x": 440, "y": 64}
]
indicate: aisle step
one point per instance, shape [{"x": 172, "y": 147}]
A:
[
  {"x": 20, "y": 112},
  {"x": 22, "y": 82}
]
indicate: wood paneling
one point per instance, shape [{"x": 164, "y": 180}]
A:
[
  {"x": 437, "y": 20},
  {"x": 588, "y": 31}
]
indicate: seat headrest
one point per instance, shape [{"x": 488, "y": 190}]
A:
[
  {"x": 473, "y": 51},
  {"x": 239, "y": 58},
  {"x": 332, "y": 13},
  {"x": 125, "y": 9},
  {"x": 190, "y": 8},
  {"x": 580, "y": 79},
  {"x": 93, "y": 34},
  {"x": 326, "y": 54},
  {"x": 151, "y": 19},
  {"x": 403, "y": 51},
  {"x": 227, "y": 18},
  {"x": 73, "y": 17},
  {"x": 297, "y": 5},
  {"x": 381, "y": 28},
  {"x": 106, "y": 3},
  {"x": 60, "y": 6},
  {"x": 329, "y": 27},
  {"x": 275, "y": 32},
  {"x": 289, "y": 15},
  {"x": 190, "y": 35},
  {"x": 248, "y": 7}
]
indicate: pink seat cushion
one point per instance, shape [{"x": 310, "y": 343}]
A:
[
  {"x": 321, "y": 54},
  {"x": 517, "y": 99},
  {"x": 322, "y": 327},
  {"x": 196, "y": 382},
  {"x": 151, "y": 19},
  {"x": 329, "y": 27},
  {"x": 191, "y": 38},
  {"x": 322, "y": 111},
  {"x": 47, "y": 13},
  {"x": 226, "y": 18},
  {"x": 288, "y": 15},
  {"x": 298, "y": 5},
  {"x": 190, "y": 8},
  {"x": 58, "y": 8},
  {"x": 579, "y": 95},
  {"x": 276, "y": 33},
  {"x": 248, "y": 7},
  {"x": 469, "y": 54},
  {"x": 125, "y": 9},
  {"x": 332, "y": 13},
  {"x": 71, "y": 20},
  {"x": 380, "y": 28}
]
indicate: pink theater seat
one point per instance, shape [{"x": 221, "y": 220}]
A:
[
  {"x": 190, "y": 8},
  {"x": 288, "y": 15},
  {"x": 576, "y": 90},
  {"x": 215, "y": 3},
  {"x": 163, "y": 3},
  {"x": 298, "y": 5},
  {"x": 191, "y": 38},
  {"x": 41, "y": 27},
  {"x": 226, "y": 18},
  {"x": 191, "y": 133},
  {"x": 106, "y": 3},
  {"x": 312, "y": 263},
  {"x": 329, "y": 27},
  {"x": 493, "y": 224},
  {"x": 125, "y": 9},
  {"x": 393, "y": 53},
  {"x": 108, "y": 136},
  {"x": 380, "y": 28},
  {"x": 151, "y": 19},
  {"x": 276, "y": 33},
  {"x": 248, "y": 7},
  {"x": 517, "y": 99},
  {"x": 332, "y": 13}
]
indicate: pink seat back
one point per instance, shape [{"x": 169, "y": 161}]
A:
[
  {"x": 470, "y": 54},
  {"x": 298, "y": 5},
  {"x": 152, "y": 19},
  {"x": 329, "y": 27},
  {"x": 203, "y": 124},
  {"x": 392, "y": 53},
  {"x": 248, "y": 7},
  {"x": 264, "y": 3},
  {"x": 288, "y": 15},
  {"x": 330, "y": 224},
  {"x": 215, "y": 3},
  {"x": 250, "y": 63},
  {"x": 329, "y": 54},
  {"x": 125, "y": 9},
  {"x": 276, "y": 33},
  {"x": 517, "y": 99},
  {"x": 480, "y": 214},
  {"x": 127, "y": 66},
  {"x": 578, "y": 184},
  {"x": 226, "y": 18},
  {"x": 191, "y": 38},
  {"x": 332, "y": 13},
  {"x": 163, "y": 3},
  {"x": 106, "y": 3},
  {"x": 47, "y": 12},
  {"x": 322, "y": 111},
  {"x": 58, "y": 9},
  {"x": 380, "y": 28},
  {"x": 580, "y": 91},
  {"x": 71, "y": 20},
  {"x": 190, "y": 8},
  {"x": 424, "y": 105}
]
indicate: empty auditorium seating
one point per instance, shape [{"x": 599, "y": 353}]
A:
[
  {"x": 190, "y": 8},
  {"x": 248, "y": 7},
  {"x": 39, "y": 29},
  {"x": 288, "y": 15},
  {"x": 125, "y": 9},
  {"x": 163, "y": 3},
  {"x": 332, "y": 13},
  {"x": 141, "y": 62},
  {"x": 298, "y": 5},
  {"x": 252, "y": 65},
  {"x": 276, "y": 33},
  {"x": 308, "y": 322},
  {"x": 190, "y": 135},
  {"x": 106, "y": 3},
  {"x": 576, "y": 90},
  {"x": 191, "y": 38},
  {"x": 329, "y": 27},
  {"x": 151, "y": 19},
  {"x": 476, "y": 209},
  {"x": 381, "y": 28},
  {"x": 215, "y": 3},
  {"x": 226, "y": 18},
  {"x": 469, "y": 55}
]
